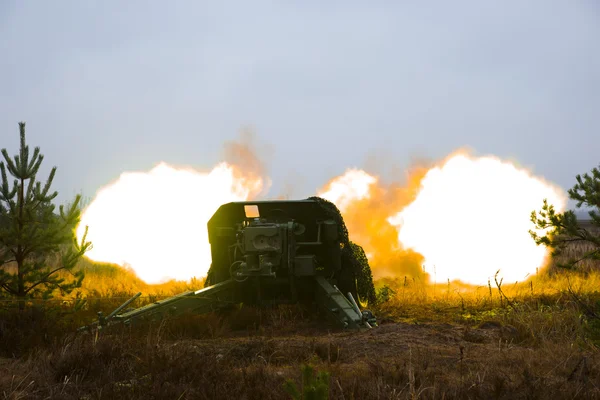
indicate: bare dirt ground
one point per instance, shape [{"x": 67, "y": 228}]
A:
[
  {"x": 392, "y": 361},
  {"x": 427, "y": 361}
]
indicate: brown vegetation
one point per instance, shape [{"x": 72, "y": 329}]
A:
[
  {"x": 575, "y": 250},
  {"x": 528, "y": 340}
]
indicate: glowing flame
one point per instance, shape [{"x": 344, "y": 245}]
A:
[
  {"x": 471, "y": 218},
  {"x": 353, "y": 185},
  {"x": 156, "y": 221},
  {"x": 366, "y": 205},
  {"x": 464, "y": 219}
]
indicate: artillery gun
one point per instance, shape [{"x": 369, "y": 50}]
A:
[{"x": 266, "y": 253}]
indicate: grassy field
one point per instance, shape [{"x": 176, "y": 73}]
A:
[{"x": 537, "y": 339}]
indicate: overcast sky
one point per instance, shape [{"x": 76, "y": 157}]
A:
[{"x": 108, "y": 86}]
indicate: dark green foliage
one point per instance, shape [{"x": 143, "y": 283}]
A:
[
  {"x": 334, "y": 213},
  {"x": 385, "y": 294},
  {"x": 353, "y": 255},
  {"x": 565, "y": 229},
  {"x": 314, "y": 387},
  {"x": 35, "y": 242},
  {"x": 210, "y": 277}
]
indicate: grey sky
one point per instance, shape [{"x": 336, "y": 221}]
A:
[{"x": 327, "y": 85}]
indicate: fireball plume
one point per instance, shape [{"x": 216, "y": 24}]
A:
[
  {"x": 464, "y": 219},
  {"x": 155, "y": 221},
  {"x": 470, "y": 219},
  {"x": 366, "y": 205}
]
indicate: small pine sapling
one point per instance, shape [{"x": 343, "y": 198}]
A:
[
  {"x": 36, "y": 243},
  {"x": 563, "y": 229}
]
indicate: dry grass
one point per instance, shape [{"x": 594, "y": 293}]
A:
[
  {"x": 395, "y": 361},
  {"x": 103, "y": 280},
  {"x": 536, "y": 339},
  {"x": 527, "y": 340}
]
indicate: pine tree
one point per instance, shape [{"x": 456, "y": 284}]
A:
[
  {"x": 565, "y": 229},
  {"x": 35, "y": 242}
]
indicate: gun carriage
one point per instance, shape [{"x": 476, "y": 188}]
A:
[{"x": 266, "y": 253}]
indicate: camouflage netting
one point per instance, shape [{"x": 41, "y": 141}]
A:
[
  {"x": 210, "y": 277},
  {"x": 353, "y": 255}
]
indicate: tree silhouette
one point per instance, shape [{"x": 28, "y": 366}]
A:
[
  {"x": 35, "y": 242},
  {"x": 564, "y": 228}
]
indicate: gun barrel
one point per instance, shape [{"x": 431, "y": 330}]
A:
[
  {"x": 122, "y": 306},
  {"x": 354, "y": 304}
]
